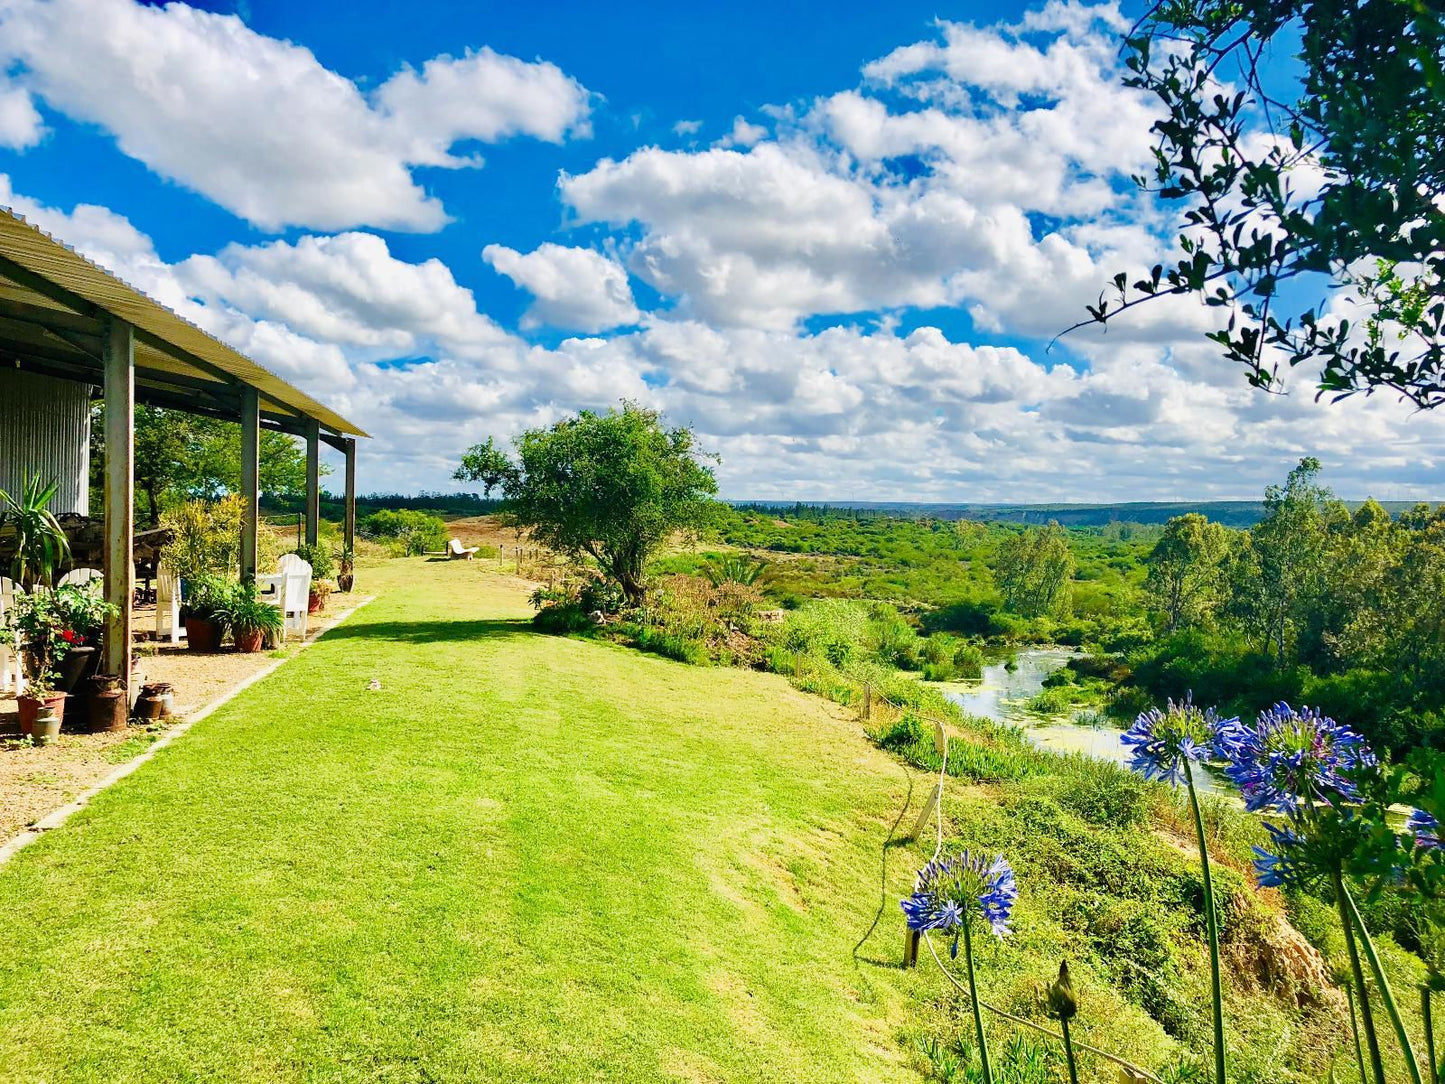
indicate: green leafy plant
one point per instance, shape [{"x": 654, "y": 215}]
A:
[
  {"x": 206, "y": 538},
  {"x": 209, "y": 598},
  {"x": 323, "y": 565},
  {"x": 734, "y": 568},
  {"x": 40, "y": 543},
  {"x": 44, "y": 637},
  {"x": 247, "y": 613},
  {"x": 82, "y": 611}
]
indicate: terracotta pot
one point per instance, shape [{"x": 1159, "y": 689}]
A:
[
  {"x": 315, "y": 603},
  {"x": 248, "y": 643},
  {"x": 29, "y": 706},
  {"x": 203, "y": 635}
]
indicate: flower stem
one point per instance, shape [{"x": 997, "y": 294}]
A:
[
  {"x": 1211, "y": 926},
  {"x": 973, "y": 997},
  {"x": 1367, "y": 1014},
  {"x": 1069, "y": 1051},
  {"x": 1425, "y": 1016},
  {"x": 1355, "y": 1031},
  {"x": 1383, "y": 985}
]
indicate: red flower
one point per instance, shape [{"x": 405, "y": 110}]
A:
[{"x": 70, "y": 636}]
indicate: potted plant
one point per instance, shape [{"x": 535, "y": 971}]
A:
[
  {"x": 253, "y": 621},
  {"x": 40, "y": 542},
  {"x": 204, "y": 611},
  {"x": 346, "y": 570},
  {"x": 44, "y": 641},
  {"x": 81, "y": 614},
  {"x": 320, "y": 592},
  {"x": 40, "y": 695}
]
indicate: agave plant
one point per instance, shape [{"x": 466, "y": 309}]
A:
[
  {"x": 734, "y": 568},
  {"x": 40, "y": 543}
]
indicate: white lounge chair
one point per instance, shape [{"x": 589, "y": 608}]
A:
[
  {"x": 295, "y": 593},
  {"x": 12, "y": 679},
  {"x": 168, "y": 605},
  {"x": 80, "y": 576},
  {"x": 455, "y": 551}
]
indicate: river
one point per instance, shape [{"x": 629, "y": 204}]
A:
[{"x": 1002, "y": 695}]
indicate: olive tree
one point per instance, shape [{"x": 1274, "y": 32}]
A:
[{"x": 610, "y": 486}]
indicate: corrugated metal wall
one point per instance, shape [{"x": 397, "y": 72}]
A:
[{"x": 45, "y": 430}]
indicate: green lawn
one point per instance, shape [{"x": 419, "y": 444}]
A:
[{"x": 524, "y": 858}]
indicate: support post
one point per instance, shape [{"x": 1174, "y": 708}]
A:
[
  {"x": 313, "y": 481},
  {"x": 118, "y": 358},
  {"x": 348, "y": 530},
  {"x": 250, "y": 478}
]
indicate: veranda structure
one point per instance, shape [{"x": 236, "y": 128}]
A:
[{"x": 71, "y": 332}]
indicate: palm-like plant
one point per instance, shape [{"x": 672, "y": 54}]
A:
[
  {"x": 734, "y": 568},
  {"x": 40, "y": 543}
]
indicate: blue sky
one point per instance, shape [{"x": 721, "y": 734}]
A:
[{"x": 836, "y": 240}]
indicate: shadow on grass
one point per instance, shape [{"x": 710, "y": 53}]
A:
[{"x": 434, "y": 632}]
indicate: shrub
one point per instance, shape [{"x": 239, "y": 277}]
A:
[
  {"x": 563, "y": 618},
  {"x": 323, "y": 565},
  {"x": 409, "y": 532},
  {"x": 206, "y": 538}
]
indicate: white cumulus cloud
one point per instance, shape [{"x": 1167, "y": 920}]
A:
[
  {"x": 574, "y": 288},
  {"x": 259, "y": 125}
]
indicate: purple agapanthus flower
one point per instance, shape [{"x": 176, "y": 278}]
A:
[
  {"x": 1163, "y": 740},
  {"x": 1291, "y": 759},
  {"x": 1283, "y": 865},
  {"x": 1426, "y": 830},
  {"x": 951, "y": 891}
]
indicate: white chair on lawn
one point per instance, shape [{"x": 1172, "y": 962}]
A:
[
  {"x": 80, "y": 576},
  {"x": 11, "y": 678},
  {"x": 295, "y": 593},
  {"x": 168, "y": 605}
]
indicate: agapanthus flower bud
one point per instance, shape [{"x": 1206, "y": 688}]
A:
[{"x": 1062, "y": 1002}]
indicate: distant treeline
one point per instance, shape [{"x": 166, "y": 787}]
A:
[
  {"x": 1229, "y": 513},
  {"x": 333, "y": 506}
]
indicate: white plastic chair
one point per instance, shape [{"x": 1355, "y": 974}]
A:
[
  {"x": 295, "y": 593},
  {"x": 11, "y": 676},
  {"x": 168, "y": 605},
  {"x": 80, "y": 576}
]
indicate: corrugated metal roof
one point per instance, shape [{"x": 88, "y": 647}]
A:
[{"x": 58, "y": 263}]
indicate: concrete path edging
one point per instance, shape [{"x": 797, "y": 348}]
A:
[{"x": 54, "y": 819}]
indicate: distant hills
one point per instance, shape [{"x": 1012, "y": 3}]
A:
[{"x": 1230, "y": 513}]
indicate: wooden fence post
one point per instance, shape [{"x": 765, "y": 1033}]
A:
[
  {"x": 867, "y": 700},
  {"x": 929, "y": 807}
]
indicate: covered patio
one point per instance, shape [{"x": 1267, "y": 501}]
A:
[{"x": 72, "y": 333}]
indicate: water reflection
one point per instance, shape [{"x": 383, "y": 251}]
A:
[{"x": 1002, "y": 694}]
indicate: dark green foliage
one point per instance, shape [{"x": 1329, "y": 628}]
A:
[
  {"x": 319, "y": 557},
  {"x": 181, "y": 457},
  {"x": 1345, "y": 199},
  {"x": 563, "y": 618},
  {"x": 610, "y": 487}
]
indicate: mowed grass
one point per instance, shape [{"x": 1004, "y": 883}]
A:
[{"x": 524, "y": 858}]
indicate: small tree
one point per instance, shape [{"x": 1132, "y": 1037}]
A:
[
  {"x": 1186, "y": 569},
  {"x": 608, "y": 486},
  {"x": 1033, "y": 571}
]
